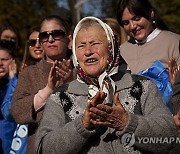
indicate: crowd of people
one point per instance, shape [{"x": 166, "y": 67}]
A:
[{"x": 99, "y": 88}]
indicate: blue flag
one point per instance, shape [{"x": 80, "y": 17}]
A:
[{"x": 159, "y": 74}]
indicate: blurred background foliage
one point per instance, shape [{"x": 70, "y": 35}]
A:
[{"x": 24, "y": 14}]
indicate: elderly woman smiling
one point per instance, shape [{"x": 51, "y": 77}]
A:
[{"x": 103, "y": 106}]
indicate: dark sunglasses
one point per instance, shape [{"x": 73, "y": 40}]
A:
[
  {"x": 56, "y": 35},
  {"x": 32, "y": 42}
]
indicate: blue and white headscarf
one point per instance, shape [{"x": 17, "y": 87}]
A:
[{"x": 103, "y": 82}]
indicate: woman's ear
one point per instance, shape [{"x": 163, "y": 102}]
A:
[
  {"x": 152, "y": 14},
  {"x": 70, "y": 41}
]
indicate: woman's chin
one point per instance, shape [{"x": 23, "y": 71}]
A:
[{"x": 93, "y": 74}]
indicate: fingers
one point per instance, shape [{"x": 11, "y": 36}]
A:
[
  {"x": 172, "y": 70},
  {"x": 176, "y": 120},
  {"x": 63, "y": 69},
  {"x": 62, "y": 73},
  {"x": 12, "y": 68},
  {"x": 98, "y": 98},
  {"x": 117, "y": 101}
]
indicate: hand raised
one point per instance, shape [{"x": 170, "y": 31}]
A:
[
  {"x": 111, "y": 116},
  {"x": 12, "y": 68},
  {"x": 172, "y": 70},
  {"x": 98, "y": 99},
  {"x": 59, "y": 73}
]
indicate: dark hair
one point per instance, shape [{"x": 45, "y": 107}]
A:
[
  {"x": 8, "y": 46},
  {"x": 142, "y": 8},
  {"x": 63, "y": 13},
  {"x": 33, "y": 29},
  {"x": 27, "y": 58},
  {"x": 61, "y": 21},
  {"x": 13, "y": 29}
]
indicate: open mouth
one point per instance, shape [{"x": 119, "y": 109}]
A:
[
  {"x": 38, "y": 52},
  {"x": 1, "y": 70},
  {"x": 91, "y": 60}
]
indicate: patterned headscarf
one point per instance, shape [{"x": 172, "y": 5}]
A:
[{"x": 103, "y": 82}]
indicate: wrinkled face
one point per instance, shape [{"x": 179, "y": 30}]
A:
[
  {"x": 135, "y": 26},
  {"x": 9, "y": 35},
  {"x": 92, "y": 50},
  {"x": 5, "y": 60},
  {"x": 35, "y": 49},
  {"x": 54, "y": 49}
]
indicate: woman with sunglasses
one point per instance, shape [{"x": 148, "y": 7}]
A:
[
  {"x": 9, "y": 32},
  {"x": 38, "y": 81},
  {"x": 33, "y": 50}
]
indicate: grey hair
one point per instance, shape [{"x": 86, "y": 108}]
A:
[{"x": 89, "y": 23}]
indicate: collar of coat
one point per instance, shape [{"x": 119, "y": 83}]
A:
[{"x": 122, "y": 81}]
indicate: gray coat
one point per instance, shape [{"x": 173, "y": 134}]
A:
[{"x": 61, "y": 130}]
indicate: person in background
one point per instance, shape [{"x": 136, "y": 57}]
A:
[
  {"x": 9, "y": 32},
  {"x": 121, "y": 37},
  {"x": 38, "y": 81},
  {"x": 66, "y": 15},
  {"x": 94, "y": 113},
  {"x": 144, "y": 52},
  {"x": 33, "y": 50},
  {"x": 174, "y": 74},
  {"x": 149, "y": 38},
  {"x": 8, "y": 81}
]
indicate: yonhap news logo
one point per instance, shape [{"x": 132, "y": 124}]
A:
[{"x": 128, "y": 140}]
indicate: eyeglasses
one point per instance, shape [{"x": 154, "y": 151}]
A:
[
  {"x": 56, "y": 35},
  {"x": 32, "y": 42}
]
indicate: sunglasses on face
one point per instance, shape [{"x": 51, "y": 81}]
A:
[
  {"x": 32, "y": 42},
  {"x": 56, "y": 35}
]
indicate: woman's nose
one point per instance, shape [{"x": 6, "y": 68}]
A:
[
  {"x": 38, "y": 45},
  {"x": 50, "y": 39},
  {"x": 132, "y": 24},
  {"x": 88, "y": 51}
]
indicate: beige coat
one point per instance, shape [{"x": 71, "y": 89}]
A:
[{"x": 140, "y": 57}]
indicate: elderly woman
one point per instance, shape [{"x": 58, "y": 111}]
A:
[{"x": 102, "y": 107}]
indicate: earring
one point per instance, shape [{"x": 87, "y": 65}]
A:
[{"x": 154, "y": 22}]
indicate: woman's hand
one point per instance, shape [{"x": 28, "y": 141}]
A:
[
  {"x": 176, "y": 119},
  {"x": 23, "y": 66},
  {"x": 12, "y": 68},
  {"x": 172, "y": 70},
  {"x": 111, "y": 116},
  {"x": 60, "y": 72},
  {"x": 98, "y": 99}
]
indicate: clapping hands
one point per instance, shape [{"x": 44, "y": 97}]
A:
[
  {"x": 110, "y": 115},
  {"x": 60, "y": 72}
]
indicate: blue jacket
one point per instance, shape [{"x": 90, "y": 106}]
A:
[
  {"x": 7, "y": 125},
  {"x": 13, "y": 136}
]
